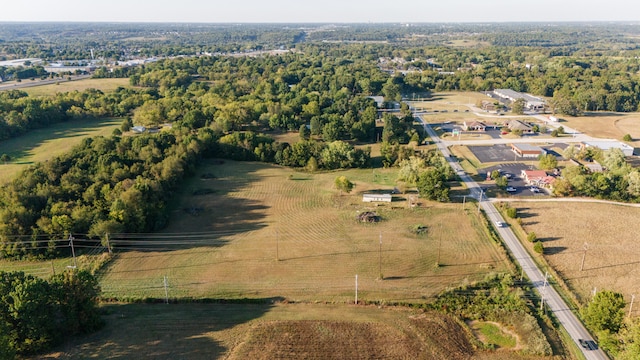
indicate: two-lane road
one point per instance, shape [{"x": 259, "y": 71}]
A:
[{"x": 551, "y": 298}]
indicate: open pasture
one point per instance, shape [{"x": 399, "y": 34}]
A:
[
  {"x": 266, "y": 231},
  {"x": 42, "y": 144},
  {"x": 104, "y": 85},
  {"x": 610, "y": 234}
]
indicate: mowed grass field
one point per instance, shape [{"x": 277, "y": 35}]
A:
[
  {"x": 607, "y": 125},
  {"x": 612, "y": 261},
  {"x": 104, "y": 85},
  {"x": 43, "y": 144},
  {"x": 268, "y": 231},
  {"x": 275, "y": 331}
]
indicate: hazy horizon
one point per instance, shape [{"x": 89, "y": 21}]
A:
[{"x": 328, "y": 11}]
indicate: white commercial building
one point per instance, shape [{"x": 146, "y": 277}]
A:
[{"x": 531, "y": 102}]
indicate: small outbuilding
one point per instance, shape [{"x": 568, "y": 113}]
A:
[{"x": 376, "y": 197}]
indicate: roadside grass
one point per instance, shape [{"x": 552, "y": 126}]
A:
[
  {"x": 273, "y": 330},
  {"x": 267, "y": 235},
  {"x": 565, "y": 227},
  {"x": 104, "y": 85},
  {"x": 42, "y": 144},
  {"x": 493, "y": 335},
  {"x": 469, "y": 161}
]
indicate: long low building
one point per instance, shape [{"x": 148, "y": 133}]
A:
[
  {"x": 531, "y": 102},
  {"x": 527, "y": 150},
  {"x": 627, "y": 150}
]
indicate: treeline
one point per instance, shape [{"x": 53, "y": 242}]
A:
[
  {"x": 36, "y": 314},
  {"x": 576, "y": 82},
  {"x": 619, "y": 181},
  {"x": 20, "y": 113},
  {"x": 104, "y": 185}
]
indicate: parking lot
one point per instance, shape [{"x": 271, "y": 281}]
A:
[
  {"x": 515, "y": 180},
  {"x": 493, "y": 153}
]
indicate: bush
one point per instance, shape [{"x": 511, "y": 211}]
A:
[
  {"x": 627, "y": 137},
  {"x": 512, "y": 213},
  {"x": 538, "y": 247},
  {"x": 532, "y": 237}
]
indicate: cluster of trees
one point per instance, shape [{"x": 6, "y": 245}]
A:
[
  {"x": 429, "y": 172},
  {"x": 36, "y": 314},
  {"x": 619, "y": 181},
  {"x": 605, "y": 316},
  {"x": 310, "y": 154},
  {"x": 104, "y": 185},
  {"x": 271, "y": 92},
  {"x": 20, "y": 112}
]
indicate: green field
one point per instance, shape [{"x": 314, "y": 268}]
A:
[{"x": 43, "y": 144}]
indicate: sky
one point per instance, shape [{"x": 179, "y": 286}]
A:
[{"x": 334, "y": 11}]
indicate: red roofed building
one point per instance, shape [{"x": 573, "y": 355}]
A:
[{"x": 537, "y": 178}]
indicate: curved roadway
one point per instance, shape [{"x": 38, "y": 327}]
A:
[{"x": 551, "y": 298}]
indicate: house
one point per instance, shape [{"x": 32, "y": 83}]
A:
[
  {"x": 527, "y": 150},
  {"x": 474, "y": 126},
  {"x": 138, "y": 129},
  {"x": 376, "y": 197},
  {"x": 537, "y": 178},
  {"x": 488, "y": 105},
  {"x": 518, "y": 125},
  {"x": 379, "y": 101}
]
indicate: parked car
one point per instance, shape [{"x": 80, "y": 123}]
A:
[
  {"x": 535, "y": 189},
  {"x": 511, "y": 189}
]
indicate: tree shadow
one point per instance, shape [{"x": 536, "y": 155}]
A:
[
  {"x": 553, "y": 250},
  {"x": 165, "y": 331},
  {"x": 550, "y": 238}
]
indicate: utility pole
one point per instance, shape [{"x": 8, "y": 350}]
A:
[
  {"x": 584, "y": 254},
  {"x": 380, "y": 258},
  {"x": 73, "y": 251},
  {"x": 480, "y": 200},
  {"x": 277, "y": 246},
  {"x": 631, "y": 306},
  {"x": 544, "y": 290},
  {"x": 106, "y": 237},
  {"x": 464, "y": 200},
  {"x": 166, "y": 293},
  {"x": 439, "y": 245},
  {"x": 356, "y": 289}
]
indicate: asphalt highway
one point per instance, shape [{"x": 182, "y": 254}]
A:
[{"x": 551, "y": 298}]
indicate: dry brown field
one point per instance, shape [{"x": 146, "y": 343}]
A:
[
  {"x": 610, "y": 233},
  {"x": 269, "y": 231},
  {"x": 104, "y": 85},
  {"x": 607, "y": 125},
  {"x": 275, "y": 331}
]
